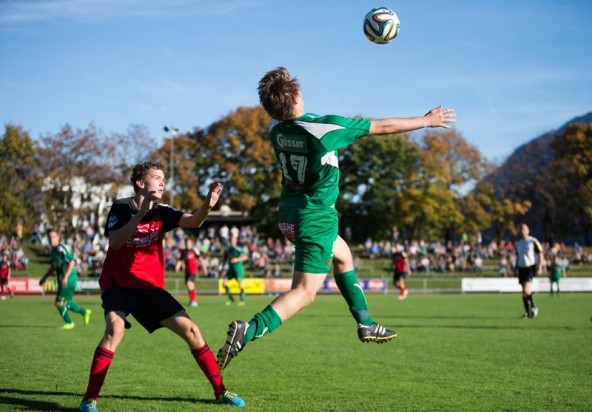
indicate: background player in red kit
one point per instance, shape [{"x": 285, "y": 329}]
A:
[
  {"x": 192, "y": 260},
  {"x": 132, "y": 281},
  {"x": 5, "y": 275}
]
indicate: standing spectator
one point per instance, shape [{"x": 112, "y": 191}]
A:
[
  {"x": 191, "y": 259},
  {"x": 214, "y": 266},
  {"x": 348, "y": 235},
  {"x": 63, "y": 264},
  {"x": 401, "y": 270},
  {"x": 234, "y": 231},
  {"x": 224, "y": 234},
  {"x": 529, "y": 264},
  {"x": 18, "y": 233},
  {"x": 306, "y": 147},
  {"x": 478, "y": 263},
  {"x": 503, "y": 266},
  {"x": 132, "y": 281}
]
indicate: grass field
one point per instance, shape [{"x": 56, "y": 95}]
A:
[{"x": 454, "y": 352}]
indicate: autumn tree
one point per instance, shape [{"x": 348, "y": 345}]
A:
[
  {"x": 235, "y": 151},
  {"x": 79, "y": 168},
  {"x": 245, "y": 160},
  {"x": 448, "y": 164},
  {"x": 571, "y": 173},
  {"x": 192, "y": 166},
  {"x": 375, "y": 172},
  {"x": 21, "y": 180},
  {"x": 484, "y": 208}
]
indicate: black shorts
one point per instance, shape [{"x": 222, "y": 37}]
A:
[
  {"x": 526, "y": 274},
  {"x": 4, "y": 281},
  {"x": 398, "y": 276},
  {"x": 148, "y": 306},
  {"x": 190, "y": 277}
]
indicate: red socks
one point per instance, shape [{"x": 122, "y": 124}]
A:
[
  {"x": 207, "y": 362},
  {"x": 98, "y": 370},
  {"x": 103, "y": 357},
  {"x": 192, "y": 295}
]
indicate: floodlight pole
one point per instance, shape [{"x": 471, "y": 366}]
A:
[{"x": 174, "y": 131}]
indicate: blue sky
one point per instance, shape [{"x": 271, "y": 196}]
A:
[{"x": 511, "y": 69}]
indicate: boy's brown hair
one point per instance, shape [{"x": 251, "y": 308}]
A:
[
  {"x": 140, "y": 171},
  {"x": 278, "y": 91}
]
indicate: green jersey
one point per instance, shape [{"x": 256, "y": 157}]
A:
[
  {"x": 234, "y": 268},
  {"x": 62, "y": 256},
  {"x": 556, "y": 271},
  {"x": 306, "y": 148}
]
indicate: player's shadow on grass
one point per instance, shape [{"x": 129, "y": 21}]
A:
[
  {"x": 19, "y": 403},
  {"x": 49, "y": 405},
  {"x": 441, "y": 317},
  {"x": 485, "y": 327}
]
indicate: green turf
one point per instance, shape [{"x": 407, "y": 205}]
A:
[{"x": 454, "y": 352}]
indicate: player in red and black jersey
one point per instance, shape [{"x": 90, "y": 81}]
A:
[
  {"x": 192, "y": 260},
  {"x": 401, "y": 270},
  {"x": 5, "y": 275},
  {"x": 132, "y": 281}
]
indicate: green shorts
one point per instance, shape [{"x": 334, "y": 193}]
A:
[
  {"x": 313, "y": 232},
  {"x": 65, "y": 292},
  {"x": 234, "y": 274}
]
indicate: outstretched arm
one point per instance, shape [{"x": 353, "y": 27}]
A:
[
  {"x": 437, "y": 117},
  {"x": 195, "y": 220}
]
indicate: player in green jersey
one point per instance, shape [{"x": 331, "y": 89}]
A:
[
  {"x": 306, "y": 145},
  {"x": 62, "y": 262},
  {"x": 556, "y": 273},
  {"x": 234, "y": 256}
]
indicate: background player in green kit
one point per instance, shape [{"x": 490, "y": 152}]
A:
[
  {"x": 305, "y": 145},
  {"x": 556, "y": 272},
  {"x": 62, "y": 262},
  {"x": 234, "y": 256}
]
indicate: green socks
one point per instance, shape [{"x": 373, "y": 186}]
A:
[
  {"x": 263, "y": 324},
  {"x": 354, "y": 296},
  {"x": 266, "y": 321},
  {"x": 64, "y": 313},
  {"x": 75, "y": 307},
  {"x": 227, "y": 289}
]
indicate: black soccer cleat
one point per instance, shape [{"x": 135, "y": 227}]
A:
[
  {"x": 235, "y": 342},
  {"x": 375, "y": 333}
]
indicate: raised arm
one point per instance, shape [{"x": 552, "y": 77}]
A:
[
  {"x": 437, "y": 117},
  {"x": 195, "y": 220}
]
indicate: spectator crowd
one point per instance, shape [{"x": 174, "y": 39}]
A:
[
  {"x": 466, "y": 256},
  {"x": 269, "y": 257}
]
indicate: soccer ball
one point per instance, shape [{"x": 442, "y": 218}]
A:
[{"x": 381, "y": 25}]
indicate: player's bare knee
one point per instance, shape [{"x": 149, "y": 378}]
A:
[
  {"x": 308, "y": 297},
  {"x": 193, "y": 335},
  {"x": 114, "y": 334}
]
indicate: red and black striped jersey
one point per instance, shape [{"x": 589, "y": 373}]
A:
[{"x": 140, "y": 262}]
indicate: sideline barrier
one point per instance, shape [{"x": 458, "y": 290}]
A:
[
  {"x": 262, "y": 286},
  {"x": 252, "y": 286},
  {"x": 25, "y": 286},
  {"x": 511, "y": 285}
]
